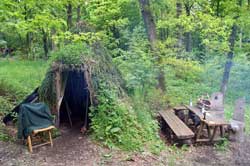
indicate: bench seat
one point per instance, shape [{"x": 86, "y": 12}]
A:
[{"x": 178, "y": 127}]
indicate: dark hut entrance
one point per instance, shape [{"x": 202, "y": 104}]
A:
[
  {"x": 69, "y": 92},
  {"x": 76, "y": 100}
]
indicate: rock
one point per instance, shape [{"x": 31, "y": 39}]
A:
[{"x": 237, "y": 124}]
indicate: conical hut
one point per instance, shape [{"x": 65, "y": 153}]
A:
[{"x": 73, "y": 79}]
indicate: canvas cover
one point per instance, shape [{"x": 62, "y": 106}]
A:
[
  {"x": 9, "y": 117},
  {"x": 33, "y": 116}
]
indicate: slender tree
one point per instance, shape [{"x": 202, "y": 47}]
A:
[
  {"x": 45, "y": 43},
  {"x": 78, "y": 13},
  {"x": 229, "y": 62},
  {"x": 69, "y": 16},
  {"x": 148, "y": 22},
  {"x": 230, "y": 54},
  {"x": 150, "y": 27},
  {"x": 179, "y": 29},
  {"x": 188, "y": 36}
]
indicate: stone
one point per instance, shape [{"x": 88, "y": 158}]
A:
[
  {"x": 217, "y": 104},
  {"x": 217, "y": 101},
  {"x": 239, "y": 110},
  {"x": 237, "y": 124}
]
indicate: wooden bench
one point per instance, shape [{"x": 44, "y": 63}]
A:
[{"x": 178, "y": 127}]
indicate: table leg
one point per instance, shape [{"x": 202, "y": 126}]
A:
[
  {"x": 214, "y": 132},
  {"x": 221, "y": 131},
  {"x": 200, "y": 130},
  {"x": 208, "y": 131}
]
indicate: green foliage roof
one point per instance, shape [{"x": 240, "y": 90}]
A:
[{"x": 75, "y": 56}]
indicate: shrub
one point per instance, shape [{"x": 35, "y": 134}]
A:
[{"x": 116, "y": 123}]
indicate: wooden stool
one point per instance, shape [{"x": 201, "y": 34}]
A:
[{"x": 34, "y": 132}]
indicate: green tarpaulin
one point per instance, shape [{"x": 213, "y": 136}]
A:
[{"x": 33, "y": 116}]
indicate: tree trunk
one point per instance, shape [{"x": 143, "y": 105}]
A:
[
  {"x": 229, "y": 62},
  {"x": 179, "y": 29},
  {"x": 230, "y": 56},
  {"x": 69, "y": 16},
  {"x": 148, "y": 22},
  {"x": 152, "y": 37},
  {"x": 78, "y": 14},
  {"x": 28, "y": 43},
  {"x": 52, "y": 42},
  {"x": 188, "y": 35},
  {"x": 28, "y": 35},
  {"x": 45, "y": 44},
  {"x": 240, "y": 38},
  {"x": 218, "y": 8}
]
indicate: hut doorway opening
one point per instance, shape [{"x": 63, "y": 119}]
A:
[{"x": 76, "y": 100}]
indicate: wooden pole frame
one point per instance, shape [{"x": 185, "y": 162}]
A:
[
  {"x": 86, "y": 69},
  {"x": 58, "y": 96}
]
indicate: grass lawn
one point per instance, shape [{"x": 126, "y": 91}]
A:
[{"x": 18, "y": 77}]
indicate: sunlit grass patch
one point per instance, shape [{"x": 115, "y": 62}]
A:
[{"x": 20, "y": 77}]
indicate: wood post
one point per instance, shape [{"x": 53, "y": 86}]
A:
[
  {"x": 50, "y": 138},
  {"x": 58, "y": 97},
  {"x": 29, "y": 144},
  {"x": 208, "y": 131},
  {"x": 214, "y": 133},
  {"x": 200, "y": 130},
  {"x": 87, "y": 72}
]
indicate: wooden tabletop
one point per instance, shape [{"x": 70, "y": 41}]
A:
[{"x": 211, "y": 119}]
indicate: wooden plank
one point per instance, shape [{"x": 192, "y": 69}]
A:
[
  {"x": 208, "y": 140},
  {"x": 44, "y": 129},
  {"x": 180, "y": 108},
  {"x": 42, "y": 144},
  {"x": 177, "y": 126}
]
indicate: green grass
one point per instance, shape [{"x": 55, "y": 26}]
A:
[{"x": 18, "y": 77}]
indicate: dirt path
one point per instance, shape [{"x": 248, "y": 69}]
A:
[
  {"x": 235, "y": 155},
  {"x": 75, "y": 149},
  {"x": 72, "y": 148}
]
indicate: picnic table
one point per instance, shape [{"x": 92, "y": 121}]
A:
[{"x": 211, "y": 121}]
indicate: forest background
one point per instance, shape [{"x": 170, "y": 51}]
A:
[{"x": 168, "y": 51}]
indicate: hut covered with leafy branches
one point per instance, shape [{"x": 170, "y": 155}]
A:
[
  {"x": 83, "y": 78},
  {"x": 79, "y": 69}
]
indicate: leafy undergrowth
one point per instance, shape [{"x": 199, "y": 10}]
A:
[{"x": 117, "y": 124}]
